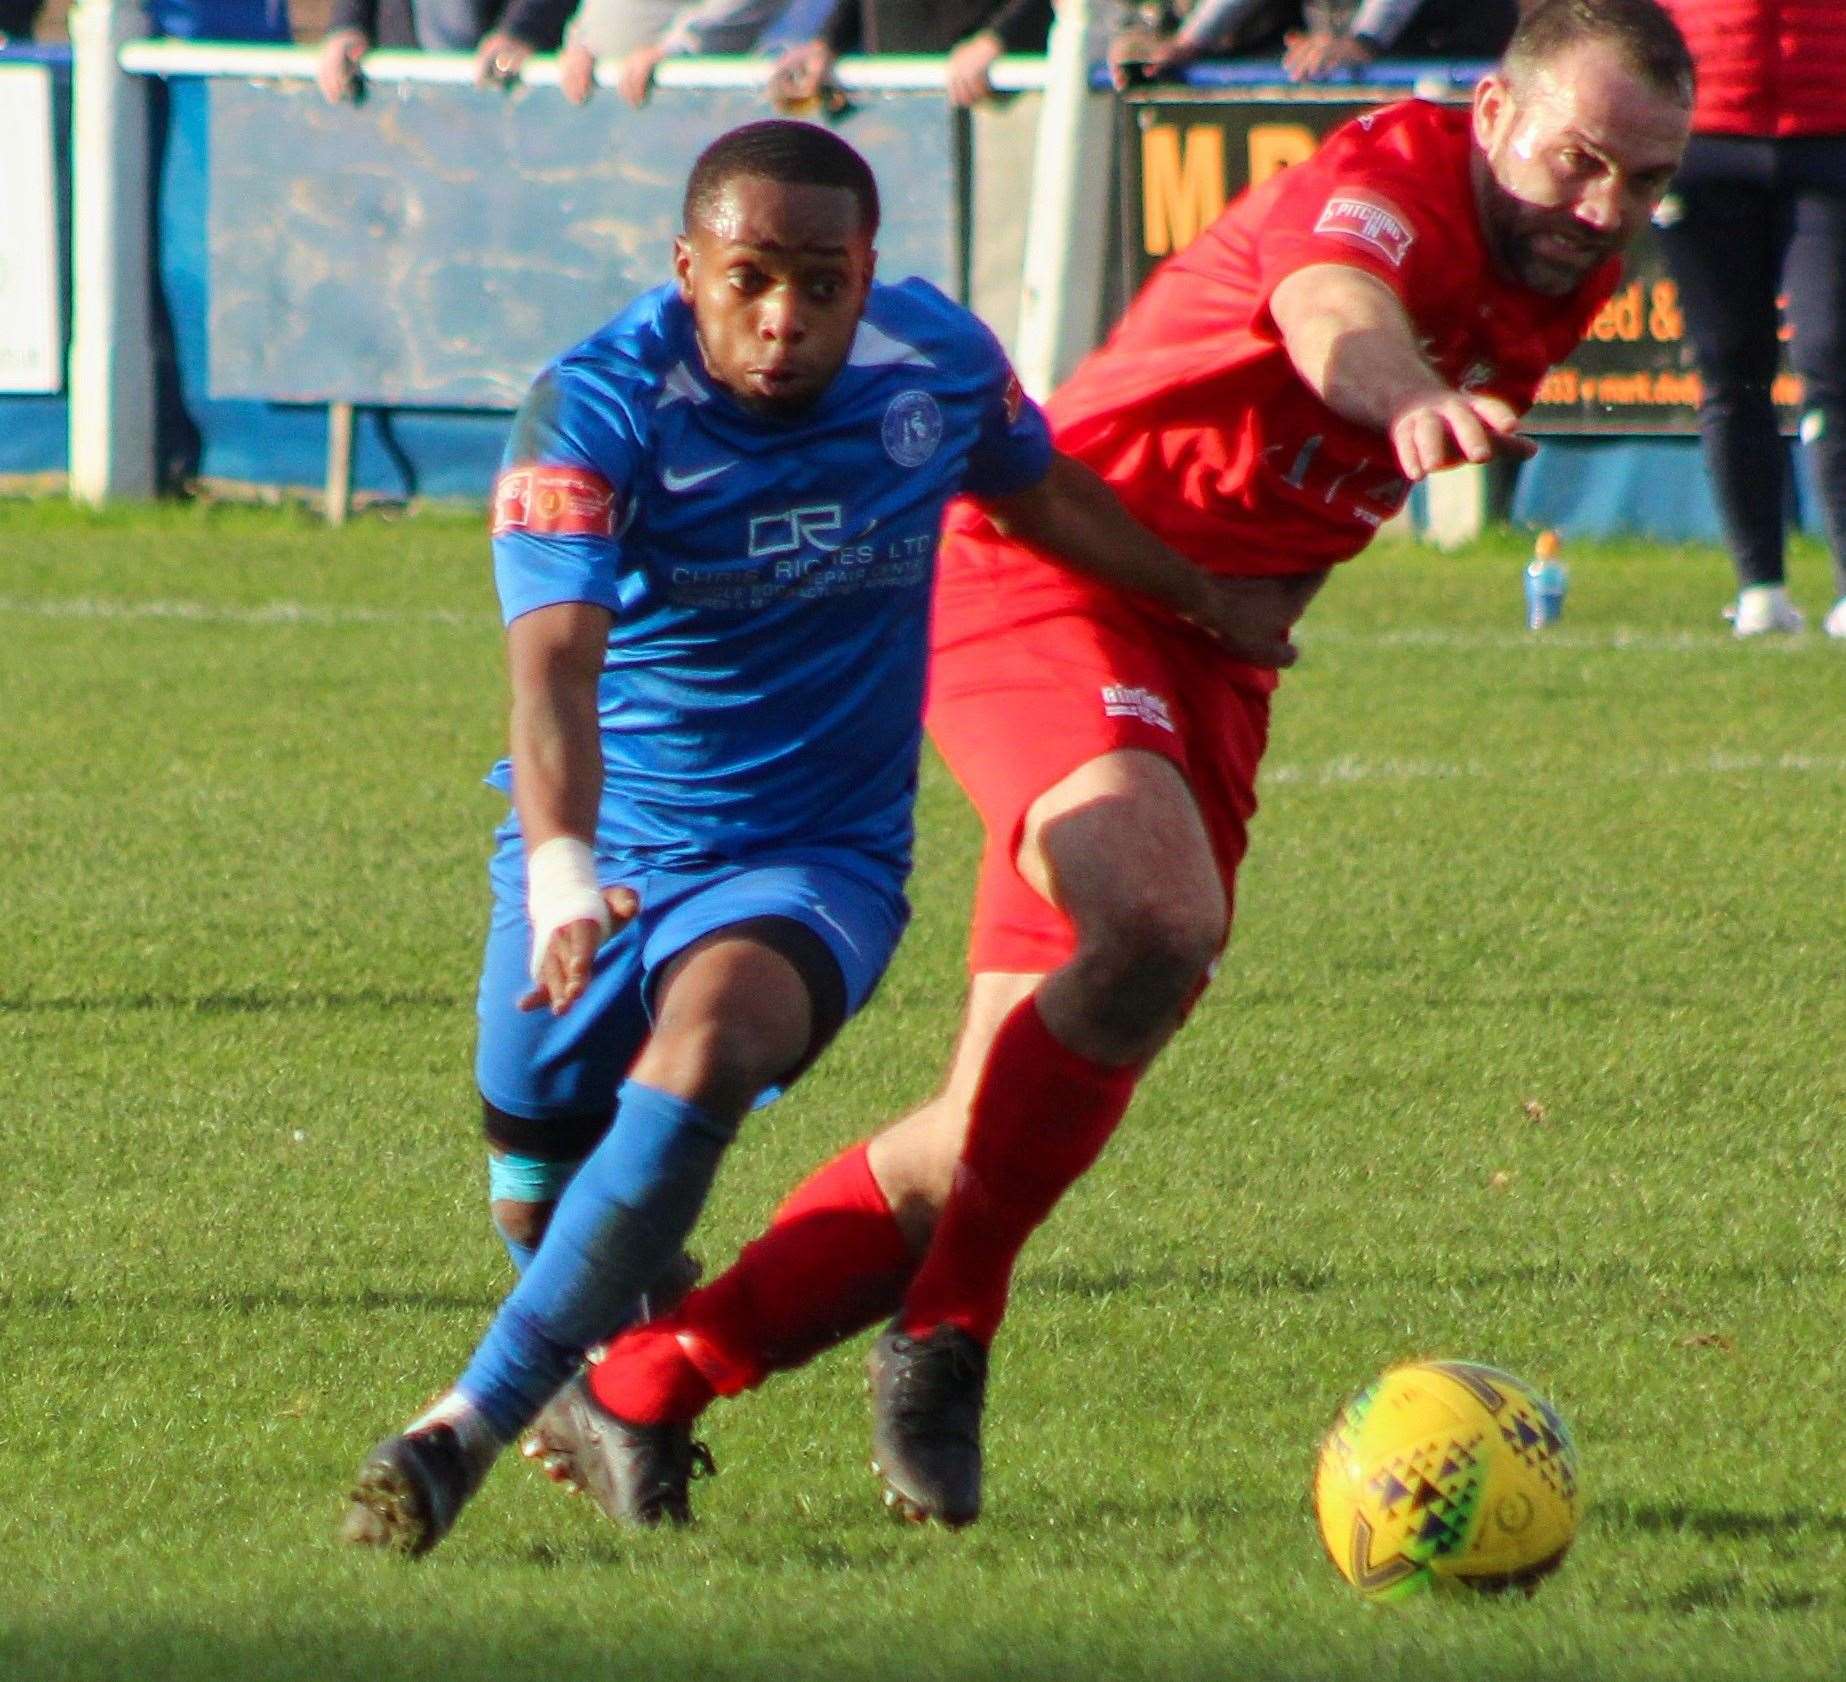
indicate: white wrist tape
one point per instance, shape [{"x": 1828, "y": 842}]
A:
[{"x": 561, "y": 888}]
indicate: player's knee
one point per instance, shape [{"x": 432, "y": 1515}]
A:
[
  {"x": 723, "y": 1062},
  {"x": 1141, "y": 968},
  {"x": 521, "y": 1223},
  {"x": 746, "y": 1051},
  {"x": 1161, "y": 937}
]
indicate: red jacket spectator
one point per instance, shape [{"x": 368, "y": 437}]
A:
[{"x": 1766, "y": 67}]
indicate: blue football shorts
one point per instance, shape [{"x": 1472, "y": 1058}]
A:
[{"x": 536, "y": 1067}]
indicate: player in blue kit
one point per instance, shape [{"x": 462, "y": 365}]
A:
[{"x": 714, "y": 540}]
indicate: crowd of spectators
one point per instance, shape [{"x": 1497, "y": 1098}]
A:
[
  {"x": 1315, "y": 38},
  {"x": 807, "y": 38}
]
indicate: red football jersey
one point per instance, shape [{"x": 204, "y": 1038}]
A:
[{"x": 1192, "y": 410}]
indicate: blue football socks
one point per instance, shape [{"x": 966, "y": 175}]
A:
[
  {"x": 625, "y": 1215},
  {"x": 520, "y": 1255}
]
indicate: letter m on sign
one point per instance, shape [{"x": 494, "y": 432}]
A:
[{"x": 1182, "y": 184}]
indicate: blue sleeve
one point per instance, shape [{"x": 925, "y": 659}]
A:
[
  {"x": 1013, "y": 451},
  {"x": 563, "y": 497}
]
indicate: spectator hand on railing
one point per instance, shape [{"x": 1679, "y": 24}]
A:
[
  {"x": 1312, "y": 55},
  {"x": 803, "y": 75},
  {"x": 635, "y": 80},
  {"x": 577, "y": 72},
  {"x": 499, "y": 59},
  {"x": 1144, "y": 55},
  {"x": 336, "y": 71},
  {"x": 968, "y": 65}
]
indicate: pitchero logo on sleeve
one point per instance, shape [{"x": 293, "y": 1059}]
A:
[
  {"x": 1368, "y": 220},
  {"x": 554, "y": 502}
]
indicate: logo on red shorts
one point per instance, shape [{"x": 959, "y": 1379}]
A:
[
  {"x": 1369, "y": 220},
  {"x": 554, "y": 502}
]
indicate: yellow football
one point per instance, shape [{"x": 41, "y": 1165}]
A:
[{"x": 1446, "y": 1474}]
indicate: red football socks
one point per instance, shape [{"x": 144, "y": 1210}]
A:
[
  {"x": 1041, "y": 1116},
  {"x": 832, "y": 1262}
]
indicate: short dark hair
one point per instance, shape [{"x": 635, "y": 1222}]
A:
[
  {"x": 780, "y": 149},
  {"x": 1643, "y": 31}
]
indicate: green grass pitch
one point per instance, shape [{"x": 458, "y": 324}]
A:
[{"x": 1530, "y": 1048}]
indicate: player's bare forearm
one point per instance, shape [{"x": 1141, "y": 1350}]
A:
[
  {"x": 1075, "y": 517},
  {"x": 1356, "y": 348},
  {"x": 554, "y": 659},
  {"x": 1352, "y": 343}
]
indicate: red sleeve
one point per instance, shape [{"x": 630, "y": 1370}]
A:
[{"x": 1361, "y": 200}]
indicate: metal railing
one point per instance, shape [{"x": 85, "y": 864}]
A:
[{"x": 112, "y": 396}]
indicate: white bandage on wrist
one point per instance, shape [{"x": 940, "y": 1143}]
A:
[{"x": 561, "y": 888}]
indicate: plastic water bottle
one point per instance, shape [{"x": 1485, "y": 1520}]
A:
[{"x": 1547, "y": 578}]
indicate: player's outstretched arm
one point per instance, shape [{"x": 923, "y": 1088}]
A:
[
  {"x": 554, "y": 658},
  {"x": 1075, "y": 517},
  {"x": 1354, "y": 345}
]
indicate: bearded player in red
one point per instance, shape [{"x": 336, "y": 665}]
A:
[{"x": 1377, "y": 313}]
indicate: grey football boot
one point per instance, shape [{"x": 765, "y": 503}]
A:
[
  {"x": 639, "y": 1475},
  {"x": 927, "y": 1395}
]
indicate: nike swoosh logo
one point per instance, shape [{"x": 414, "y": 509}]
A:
[
  {"x": 832, "y": 921},
  {"x": 685, "y": 481}
]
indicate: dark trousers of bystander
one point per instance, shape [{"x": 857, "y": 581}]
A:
[{"x": 1749, "y": 219}]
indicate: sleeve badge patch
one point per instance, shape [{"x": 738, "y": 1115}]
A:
[
  {"x": 1370, "y": 220},
  {"x": 1012, "y": 398},
  {"x": 554, "y": 502}
]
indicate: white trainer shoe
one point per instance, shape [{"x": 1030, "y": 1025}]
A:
[
  {"x": 1765, "y": 610},
  {"x": 1835, "y": 622}
]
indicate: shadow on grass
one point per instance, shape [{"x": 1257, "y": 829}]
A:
[
  {"x": 1732, "y": 1594},
  {"x": 253, "y": 1001},
  {"x": 616, "y": 1552},
  {"x": 282, "y": 1298},
  {"x": 1726, "y": 1591},
  {"x": 1713, "y": 1524},
  {"x": 1255, "y": 1280},
  {"x": 1482, "y": 996},
  {"x": 751, "y": 1639},
  {"x": 1242, "y": 1279}
]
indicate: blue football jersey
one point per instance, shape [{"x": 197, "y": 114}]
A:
[{"x": 770, "y": 579}]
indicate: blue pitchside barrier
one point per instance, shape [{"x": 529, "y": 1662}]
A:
[{"x": 356, "y": 296}]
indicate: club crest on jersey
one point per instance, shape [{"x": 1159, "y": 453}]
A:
[
  {"x": 554, "y": 502},
  {"x": 1369, "y": 220},
  {"x": 912, "y": 428}
]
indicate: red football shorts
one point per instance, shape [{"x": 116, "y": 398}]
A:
[{"x": 1020, "y": 699}]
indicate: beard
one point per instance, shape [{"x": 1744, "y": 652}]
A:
[{"x": 1548, "y": 250}]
